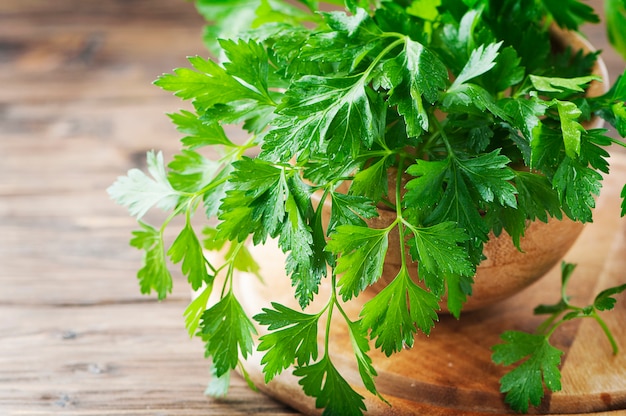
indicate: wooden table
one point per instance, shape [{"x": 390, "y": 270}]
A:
[{"x": 77, "y": 110}]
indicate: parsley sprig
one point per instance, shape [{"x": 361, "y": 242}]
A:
[
  {"x": 457, "y": 118},
  {"x": 537, "y": 360}
]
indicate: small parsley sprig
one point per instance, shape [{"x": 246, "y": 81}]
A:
[
  {"x": 537, "y": 360},
  {"x": 459, "y": 118}
]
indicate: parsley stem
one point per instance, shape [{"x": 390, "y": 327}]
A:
[
  {"x": 444, "y": 137},
  {"x": 399, "y": 217},
  {"x": 384, "y": 52},
  {"x": 606, "y": 331},
  {"x": 330, "y": 306}
]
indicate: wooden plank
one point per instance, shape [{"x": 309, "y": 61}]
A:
[{"x": 109, "y": 359}]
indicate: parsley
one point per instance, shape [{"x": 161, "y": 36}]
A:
[
  {"x": 455, "y": 117},
  {"x": 540, "y": 361}
]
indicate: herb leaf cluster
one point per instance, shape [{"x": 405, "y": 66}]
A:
[
  {"x": 537, "y": 360},
  {"x": 467, "y": 98}
]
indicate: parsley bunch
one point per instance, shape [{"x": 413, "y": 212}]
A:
[
  {"x": 469, "y": 98},
  {"x": 538, "y": 361}
]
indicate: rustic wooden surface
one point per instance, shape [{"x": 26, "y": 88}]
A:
[{"x": 77, "y": 109}]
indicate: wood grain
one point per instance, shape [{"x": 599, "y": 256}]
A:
[{"x": 77, "y": 109}]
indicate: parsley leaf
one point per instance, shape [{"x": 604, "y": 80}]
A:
[
  {"x": 209, "y": 84},
  {"x": 538, "y": 361},
  {"x": 195, "y": 309},
  {"x": 190, "y": 171},
  {"x": 296, "y": 237},
  {"x": 577, "y": 185},
  {"x": 525, "y": 113},
  {"x": 604, "y": 300},
  {"x": 397, "y": 311},
  {"x": 555, "y": 84},
  {"x": 139, "y": 192},
  {"x": 154, "y": 274},
  {"x": 363, "y": 252},
  {"x": 360, "y": 346},
  {"x": 524, "y": 384},
  {"x": 457, "y": 187},
  {"x": 570, "y": 13},
  {"x": 227, "y": 332},
  {"x": 332, "y": 392},
  {"x": 371, "y": 182},
  {"x": 410, "y": 87},
  {"x": 481, "y": 60},
  {"x": 199, "y": 132},
  {"x": 349, "y": 209},
  {"x": 256, "y": 205},
  {"x": 293, "y": 339},
  {"x": 187, "y": 248},
  {"x": 321, "y": 114},
  {"x": 438, "y": 252}
]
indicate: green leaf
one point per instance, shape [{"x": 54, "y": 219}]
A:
[
  {"x": 191, "y": 172},
  {"x": 444, "y": 182},
  {"x": 199, "y": 133},
  {"x": 507, "y": 71},
  {"x": 297, "y": 237},
  {"x": 571, "y": 14},
  {"x": 195, "y": 309},
  {"x": 410, "y": 85},
  {"x": 227, "y": 18},
  {"x": 140, "y": 192},
  {"x": 187, "y": 248},
  {"x": 593, "y": 151},
  {"x": 363, "y": 252},
  {"x": 396, "y": 312},
  {"x": 153, "y": 274},
  {"x": 577, "y": 185},
  {"x": 350, "y": 24},
  {"x": 371, "y": 182},
  {"x": 425, "y": 9},
  {"x": 247, "y": 61},
  {"x": 525, "y": 383},
  {"x": 525, "y": 113},
  {"x": 227, "y": 332},
  {"x": 611, "y": 106},
  {"x": 558, "y": 85},
  {"x": 535, "y": 197},
  {"x": 293, "y": 339},
  {"x": 615, "y": 19},
  {"x": 349, "y": 210},
  {"x": 360, "y": 346},
  {"x": 243, "y": 260},
  {"x": 459, "y": 288},
  {"x": 547, "y": 149},
  {"x": 570, "y": 127},
  {"x": 481, "y": 60},
  {"x": 459, "y": 187},
  {"x": 256, "y": 204},
  {"x": 490, "y": 175},
  {"x": 331, "y": 391},
  {"x": 605, "y": 301},
  {"x": 427, "y": 188},
  {"x": 320, "y": 114},
  {"x": 439, "y": 252},
  {"x": 473, "y": 99},
  {"x": 209, "y": 84}
]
